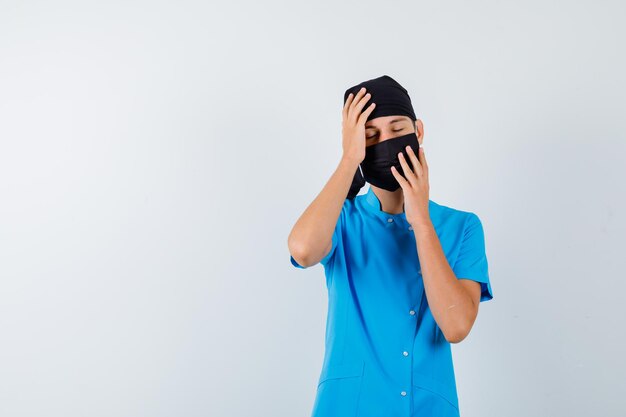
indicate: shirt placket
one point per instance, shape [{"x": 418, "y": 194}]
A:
[
  {"x": 405, "y": 388},
  {"x": 409, "y": 353}
]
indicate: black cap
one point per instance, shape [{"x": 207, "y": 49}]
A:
[{"x": 390, "y": 97}]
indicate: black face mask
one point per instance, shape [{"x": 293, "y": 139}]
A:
[{"x": 381, "y": 157}]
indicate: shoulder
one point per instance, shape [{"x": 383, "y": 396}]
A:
[
  {"x": 452, "y": 216},
  {"x": 448, "y": 211},
  {"x": 348, "y": 210}
]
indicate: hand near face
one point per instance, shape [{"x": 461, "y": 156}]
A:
[
  {"x": 415, "y": 186},
  {"x": 353, "y": 125}
]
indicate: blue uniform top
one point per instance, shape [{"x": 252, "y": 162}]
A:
[{"x": 384, "y": 353}]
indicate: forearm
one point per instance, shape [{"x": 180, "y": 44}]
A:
[
  {"x": 451, "y": 305},
  {"x": 311, "y": 235}
]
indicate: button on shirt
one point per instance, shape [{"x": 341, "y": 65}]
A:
[{"x": 384, "y": 353}]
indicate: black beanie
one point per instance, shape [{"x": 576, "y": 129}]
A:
[{"x": 390, "y": 97}]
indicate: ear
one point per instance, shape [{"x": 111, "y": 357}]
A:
[{"x": 419, "y": 131}]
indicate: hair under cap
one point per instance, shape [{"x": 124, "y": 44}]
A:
[{"x": 390, "y": 97}]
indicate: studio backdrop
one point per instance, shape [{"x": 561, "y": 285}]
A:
[{"x": 154, "y": 157}]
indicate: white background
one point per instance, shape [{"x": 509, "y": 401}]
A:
[{"x": 154, "y": 157}]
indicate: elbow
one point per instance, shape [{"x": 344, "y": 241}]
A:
[
  {"x": 455, "y": 337},
  {"x": 457, "y": 334},
  {"x": 299, "y": 252},
  {"x": 460, "y": 328},
  {"x": 301, "y": 259}
]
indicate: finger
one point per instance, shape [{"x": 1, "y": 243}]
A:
[
  {"x": 417, "y": 167},
  {"x": 408, "y": 173},
  {"x": 403, "y": 183},
  {"x": 355, "y": 99},
  {"x": 346, "y": 105},
  {"x": 358, "y": 105},
  {"x": 363, "y": 117},
  {"x": 422, "y": 156}
]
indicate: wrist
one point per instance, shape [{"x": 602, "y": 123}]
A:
[
  {"x": 421, "y": 223},
  {"x": 350, "y": 162}
]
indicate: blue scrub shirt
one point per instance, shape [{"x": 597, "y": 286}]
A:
[{"x": 384, "y": 353}]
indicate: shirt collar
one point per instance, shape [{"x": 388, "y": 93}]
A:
[
  {"x": 372, "y": 203},
  {"x": 372, "y": 200}
]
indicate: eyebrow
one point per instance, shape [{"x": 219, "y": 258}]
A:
[{"x": 393, "y": 121}]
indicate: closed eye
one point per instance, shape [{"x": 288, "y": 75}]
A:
[{"x": 371, "y": 137}]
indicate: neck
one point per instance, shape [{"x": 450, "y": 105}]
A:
[{"x": 392, "y": 202}]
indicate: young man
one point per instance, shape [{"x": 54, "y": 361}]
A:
[{"x": 405, "y": 275}]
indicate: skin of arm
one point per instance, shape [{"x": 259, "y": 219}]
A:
[
  {"x": 453, "y": 301},
  {"x": 310, "y": 239}
]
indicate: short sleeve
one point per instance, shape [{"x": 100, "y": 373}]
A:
[
  {"x": 471, "y": 263},
  {"x": 335, "y": 240}
]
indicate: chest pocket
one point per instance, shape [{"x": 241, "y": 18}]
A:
[{"x": 339, "y": 390}]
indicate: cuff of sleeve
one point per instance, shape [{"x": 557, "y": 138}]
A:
[
  {"x": 486, "y": 292},
  {"x": 296, "y": 264}
]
